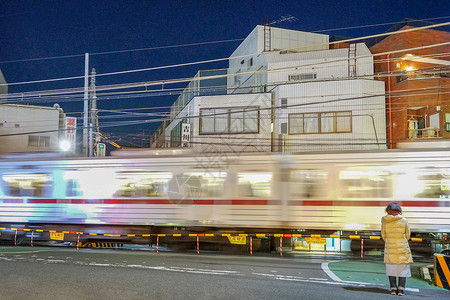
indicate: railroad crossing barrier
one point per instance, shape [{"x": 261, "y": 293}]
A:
[
  {"x": 60, "y": 235},
  {"x": 441, "y": 270}
]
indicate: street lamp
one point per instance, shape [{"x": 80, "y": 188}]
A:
[{"x": 64, "y": 145}]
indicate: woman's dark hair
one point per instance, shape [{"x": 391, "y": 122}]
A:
[{"x": 394, "y": 206}]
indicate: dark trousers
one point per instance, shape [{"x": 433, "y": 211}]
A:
[{"x": 401, "y": 282}]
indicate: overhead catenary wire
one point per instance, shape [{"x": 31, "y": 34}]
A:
[
  {"x": 402, "y": 49},
  {"x": 156, "y": 83},
  {"x": 127, "y": 123},
  {"x": 121, "y": 51},
  {"x": 379, "y": 24},
  {"x": 242, "y": 56},
  {"x": 202, "y": 43}
]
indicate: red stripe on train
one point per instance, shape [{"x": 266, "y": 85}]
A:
[
  {"x": 409, "y": 203},
  {"x": 259, "y": 202}
]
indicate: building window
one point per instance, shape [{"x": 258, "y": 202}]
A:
[
  {"x": 283, "y": 102},
  {"x": 336, "y": 122},
  {"x": 38, "y": 141},
  {"x": 17, "y": 125},
  {"x": 326, "y": 122},
  {"x": 303, "y": 123},
  {"x": 250, "y": 62},
  {"x": 237, "y": 78},
  {"x": 284, "y": 128},
  {"x": 298, "y": 77},
  {"x": 229, "y": 120}
]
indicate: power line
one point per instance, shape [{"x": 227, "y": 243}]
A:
[
  {"x": 379, "y": 24},
  {"x": 121, "y": 51},
  {"x": 238, "y": 57}
]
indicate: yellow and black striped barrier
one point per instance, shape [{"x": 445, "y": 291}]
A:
[
  {"x": 441, "y": 270},
  {"x": 106, "y": 245},
  {"x": 60, "y": 235}
]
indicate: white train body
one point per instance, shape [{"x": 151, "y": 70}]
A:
[{"x": 330, "y": 191}]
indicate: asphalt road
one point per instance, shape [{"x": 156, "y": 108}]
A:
[{"x": 64, "y": 273}]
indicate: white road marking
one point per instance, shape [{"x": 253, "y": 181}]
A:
[
  {"x": 329, "y": 273},
  {"x": 333, "y": 276},
  {"x": 55, "y": 260},
  {"x": 302, "y": 279},
  {"x": 22, "y": 252}
]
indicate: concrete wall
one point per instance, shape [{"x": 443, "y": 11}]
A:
[
  {"x": 364, "y": 98},
  {"x": 241, "y": 142},
  {"x": 3, "y": 86},
  {"x": 325, "y": 64},
  {"x": 18, "y": 122},
  {"x": 248, "y": 56}
]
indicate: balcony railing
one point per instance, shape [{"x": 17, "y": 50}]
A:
[{"x": 429, "y": 132}]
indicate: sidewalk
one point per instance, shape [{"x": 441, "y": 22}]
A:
[{"x": 374, "y": 272}]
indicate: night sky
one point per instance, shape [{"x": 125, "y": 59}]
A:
[{"x": 33, "y": 33}]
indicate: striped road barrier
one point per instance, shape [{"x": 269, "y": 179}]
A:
[
  {"x": 237, "y": 238},
  {"x": 441, "y": 270}
]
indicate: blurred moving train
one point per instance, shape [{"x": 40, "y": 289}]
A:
[{"x": 161, "y": 191}]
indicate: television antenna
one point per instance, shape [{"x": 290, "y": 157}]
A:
[{"x": 282, "y": 19}]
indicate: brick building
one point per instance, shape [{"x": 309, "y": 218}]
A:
[{"x": 417, "y": 84}]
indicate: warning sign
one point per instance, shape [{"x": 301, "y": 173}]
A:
[
  {"x": 315, "y": 240},
  {"x": 239, "y": 240},
  {"x": 57, "y": 236}
]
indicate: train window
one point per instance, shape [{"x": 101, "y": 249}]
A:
[
  {"x": 365, "y": 184},
  {"x": 432, "y": 183},
  {"x": 27, "y": 185},
  {"x": 309, "y": 183},
  {"x": 73, "y": 188},
  {"x": 201, "y": 185},
  {"x": 256, "y": 185},
  {"x": 143, "y": 184}
]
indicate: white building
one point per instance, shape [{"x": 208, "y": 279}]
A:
[
  {"x": 227, "y": 123},
  {"x": 286, "y": 91},
  {"x": 3, "y": 85},
  {"x": 28, "y": 128}
]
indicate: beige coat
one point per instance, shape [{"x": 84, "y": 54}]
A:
[{"x": 395, "y": 233}]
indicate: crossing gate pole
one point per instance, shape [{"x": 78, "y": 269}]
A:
[
  {"x": 15, "y": 239},
  {"x": 78, "y": 243},
  {"x": 281, "y": 246},
  {"x": 362, "y": 248},
  {"x": 198, "y": 246},
  {"x": 251, "y": 247},
  {"x": 32, "y": 238},
  {"x": 157, "y": 245}
]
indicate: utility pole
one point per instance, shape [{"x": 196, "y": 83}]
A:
[
  {"x": 93, "y": 125},
  {"x": 86, "y": 105}
]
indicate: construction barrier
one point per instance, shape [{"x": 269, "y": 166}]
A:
[
  {"x": 441, "y": 270},
  {"x": 55, "y": 235},
  {"x": 234, "y": 238},
  {"x": 106, "y": 245}
]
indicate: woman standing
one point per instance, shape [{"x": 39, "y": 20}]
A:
[{"x": 397, "y": 254}]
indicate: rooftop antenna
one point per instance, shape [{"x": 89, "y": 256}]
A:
[
  {"x": 282, "y": 19},
  {"x": 267, "y": 31}
]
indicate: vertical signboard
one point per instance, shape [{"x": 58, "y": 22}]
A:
[
  {"x": 71, "y": 132},
  {"x": 100, "y": 149},
  {"x": 185, "y": 134}
]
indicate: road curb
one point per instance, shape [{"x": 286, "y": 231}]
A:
[{"x": 426, "y": 272}]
